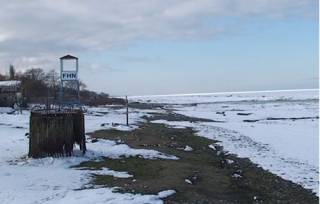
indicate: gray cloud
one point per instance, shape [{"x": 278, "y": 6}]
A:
[{"x": 34, "y": 32}]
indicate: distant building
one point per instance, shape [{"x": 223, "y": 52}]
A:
[{"x": 9, "y": 91}]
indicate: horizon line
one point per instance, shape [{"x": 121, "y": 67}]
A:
[{"x": 229, "y": 92}]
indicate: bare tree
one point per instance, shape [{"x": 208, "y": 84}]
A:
[
  {"x": 35, "y": 74},
  {"x": 11, "y": 72},
  {"x": 52, "y": 78},
  {"x": 52, "y": 83},
  {"x": 73, "y": 85}
]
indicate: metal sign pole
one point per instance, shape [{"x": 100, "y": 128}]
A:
[
  {"x": 127, "y": 110},
  {"x": 61, "y": 83},
  {"x": 78, "y": 82}
]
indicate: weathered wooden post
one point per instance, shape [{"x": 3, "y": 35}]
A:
[{"x": 54, "y": 133}]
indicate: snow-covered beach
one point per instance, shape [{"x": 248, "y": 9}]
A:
[
  {"x": 52, "y": 180},
  {"x": 279, "y": 130}
]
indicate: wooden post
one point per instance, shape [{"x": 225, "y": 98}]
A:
[
  {"x": 127, "y": 112},
  {"x": 54, "y": 133}
]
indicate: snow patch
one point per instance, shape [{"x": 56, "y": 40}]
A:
[
  {"x": 107, "y": 195},
  {"x": 167, "y": 193},
  {"x": 109, "y": 172},
  {"x": 212, "y": 147},
  {"x": 188, "y": 148},
  {"x": 188, "y": 181},
  {"x": 111, "y": 149}
]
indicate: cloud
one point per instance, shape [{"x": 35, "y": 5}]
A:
[
  {"x": 34, "y": 31},
  {"x": 94, "y": 67}
]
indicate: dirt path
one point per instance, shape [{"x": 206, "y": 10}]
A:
[{"x": 203, "y": 175}]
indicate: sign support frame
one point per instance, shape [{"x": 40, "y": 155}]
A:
[{"x": 63, "y": 79}]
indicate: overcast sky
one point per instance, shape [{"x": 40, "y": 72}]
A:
[{"x": 137, "y": 47}]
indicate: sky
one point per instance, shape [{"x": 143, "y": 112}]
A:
[{"x": 139, "y": 47}]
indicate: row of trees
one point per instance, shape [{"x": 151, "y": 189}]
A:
[{"x": 38, "y": 85}]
